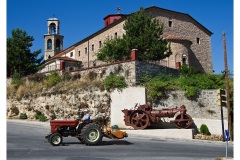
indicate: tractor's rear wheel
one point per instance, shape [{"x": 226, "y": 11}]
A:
[
  {"x": 55, "y": 139},
  {"x": 91, "y": 134}
]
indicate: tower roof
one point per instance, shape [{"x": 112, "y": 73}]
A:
[{"x": 52, "y": 19}]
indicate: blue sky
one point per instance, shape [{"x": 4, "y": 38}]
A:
[{"x": 80, "y": 19}]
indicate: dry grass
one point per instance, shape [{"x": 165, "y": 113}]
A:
[
  {"x": 11, "y": 90},
  {"x": 79, "y": 84},
  {"x": 31, "y": 87},
  {"x": 20, "y": 92}
]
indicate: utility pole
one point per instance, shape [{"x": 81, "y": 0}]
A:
[{"x": 227, "y": 87}]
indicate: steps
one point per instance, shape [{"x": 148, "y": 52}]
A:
[{"x": 163, "y": 133}]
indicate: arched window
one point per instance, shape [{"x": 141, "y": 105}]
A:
[
  {"x": 52, "y": 28},
  {"x": 49, "y": 44},
  {"x": 58, "y": 44}
]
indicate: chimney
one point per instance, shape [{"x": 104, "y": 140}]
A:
[{"x": 134, "y": 54}]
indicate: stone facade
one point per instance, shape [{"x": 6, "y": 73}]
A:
[
  {"x": 151, "y": 69},
  {"x": 184, "y": 27},
  {"x": 188, "y": 38},
  {"x": 67, "y": 105},
  {"x": 204, "y": 106}
]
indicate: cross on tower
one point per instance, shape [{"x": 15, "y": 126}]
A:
[{"x": 118, "y": 10}]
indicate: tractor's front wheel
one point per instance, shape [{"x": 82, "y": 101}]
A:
[
  {"x": 55, "y": 139},
  {"x": 91, "y": 134}
]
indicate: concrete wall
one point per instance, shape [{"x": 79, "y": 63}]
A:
[
  {"x": 204, "y": 106},
  {"x": 214, "y": 126},
  {"x": 125, "y": 99},
  {"x": 205, "y": 113}
]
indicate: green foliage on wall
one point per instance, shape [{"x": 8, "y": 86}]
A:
[
  {"x": 189, "y": 80},
  {"x": 114, "y": 82},
  {"x": 41, "y": 117},
  {"x": 52, "y": 79},
  {"x": 23, "y": 116},
  {"x": 158, "y": 85},
  {"x": 113, "y": 50},
  {"x": 17, "y": 80}
]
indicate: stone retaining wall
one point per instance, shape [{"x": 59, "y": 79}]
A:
[
  {"x": 132, "y": 71},
  {"x": 204, "y": 106}
]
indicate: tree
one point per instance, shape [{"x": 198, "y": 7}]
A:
[
  {"x": 19, "y": 56},
  {"x": 113, "y": 50},
  {"x": 142, "y": 33}
]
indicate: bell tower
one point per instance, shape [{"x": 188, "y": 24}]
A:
[{"x": 53, "y": 41}]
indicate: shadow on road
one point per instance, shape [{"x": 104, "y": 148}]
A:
[
  {"x": 69, "y": 143},
  {"x": 102, "y": 143},
  {"x": 115, "y": 142}
]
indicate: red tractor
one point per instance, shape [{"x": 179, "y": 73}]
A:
[{"x": 87, "y": 133}]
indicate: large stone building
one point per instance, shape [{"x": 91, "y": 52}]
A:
[{"x": 190, "y": 42}]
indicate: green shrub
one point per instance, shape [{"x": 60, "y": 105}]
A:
[
  {"x": 41, "y": 117},
  {"x": 114, "y": 82},
  {"x": 186, "y": 71},
  {"x": 16, "y": 80},
  {"x": 52, "y": 79},
  {"x": 23, "y": 116},
  {"x": 189, "y": 81},
  {"x": 158, "y": 85},
  {"x": 204, "y": 130}
]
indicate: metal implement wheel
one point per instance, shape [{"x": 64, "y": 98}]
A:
[
  {"x": 139, "y": 120},
  {"x": 55, "y": 139},
  {"x": 92, "y": 134},
  {"x": 183, "y": 122}
]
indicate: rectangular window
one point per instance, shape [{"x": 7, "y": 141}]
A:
[
  {"x": 79, "y": 53},
  {"x": 100, "y": 44},
  {"x": 198, "y": 40},
  {"x": 169, "y": 23},
  {"x": 71, "y": 54},
  {"x": 86, "y": 50},
  {"x": 92, "y": 47}
]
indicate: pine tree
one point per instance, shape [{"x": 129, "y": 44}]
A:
[
  {"x": 144, "y": 33},
  {"x": 20, "y": 59}
]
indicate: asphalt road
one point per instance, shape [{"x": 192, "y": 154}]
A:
[{"x": 25, "y": 141}]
